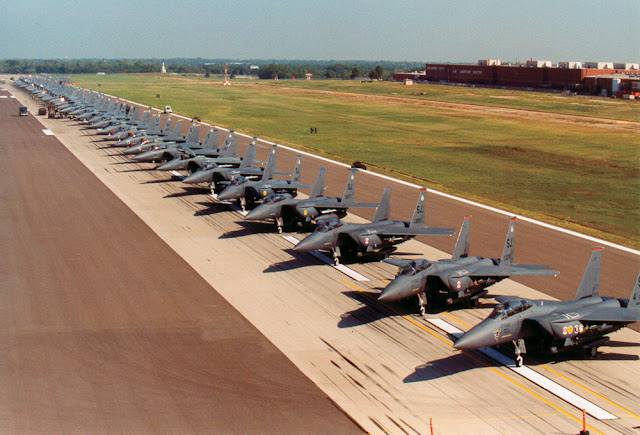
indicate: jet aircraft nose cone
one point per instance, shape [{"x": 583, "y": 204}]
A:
[
  {"x": 481, "y": 335},
  {"x": 397, "y": 289},
  {"x": 259, "y": 213},
  {"x": 312, "y": 242},
  {"x": 171, "y": 165},
  {"x": 199, "y": 177},
  {"x": 146, "y": 156},
  {"x": 230, "y": 192}
]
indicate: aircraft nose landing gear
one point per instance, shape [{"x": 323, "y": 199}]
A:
[
  {"x": 422, "y": 300},
  {"x": 520, "y": 349}
]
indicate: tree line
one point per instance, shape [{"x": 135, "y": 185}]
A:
[{"x": 267, "y": 69}]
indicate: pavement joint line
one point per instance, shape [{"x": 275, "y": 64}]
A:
[
  {"x": 450, "y": 343},
  {"x": 533, "y": 376},
  {"x": 436, "y": 192},
  {"x": 341, "y": 267}
]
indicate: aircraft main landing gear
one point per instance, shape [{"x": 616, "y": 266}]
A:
[
  {"x": 520, "y": 349},
  {"x": 279, "y": 223}
]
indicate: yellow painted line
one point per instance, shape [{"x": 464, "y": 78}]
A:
[
  {"x": 590, "y": 391},
  {"x": 567, "y": 379},
  {"x": 450, "y": 343}
]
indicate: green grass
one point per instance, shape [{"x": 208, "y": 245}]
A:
[{"x": 580, "y": 175}]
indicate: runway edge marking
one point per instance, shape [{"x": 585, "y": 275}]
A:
[
  {"x": 436, "y": 192},
  {"x": 535, "y": 377}
]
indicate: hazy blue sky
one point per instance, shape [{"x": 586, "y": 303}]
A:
[{"x": 432, "y": 31}]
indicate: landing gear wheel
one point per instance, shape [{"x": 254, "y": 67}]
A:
[
  {"x": 279, "y": 223},
  {"x": 519, "y": 361},
  {"x": 242, "y": 202},
  {"x": 592, "y": 352},
  {"x": 336, "y": 255},
  {"x": 212, "y": 187}
]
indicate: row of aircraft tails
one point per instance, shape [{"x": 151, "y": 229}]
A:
[{"x": 546, "y": 326}]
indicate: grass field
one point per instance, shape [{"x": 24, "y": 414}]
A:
[{"x": 544, "y": 160}]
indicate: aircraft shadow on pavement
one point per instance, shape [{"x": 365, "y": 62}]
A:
[
  {"x": 248, "y": 228},
  {"x": 443, "y": 367},
  {"x": 187, "y": 191},
  {"x": 372, "y": 310},
  {"x": 297, "y": 262},
  {"x": 162, "y": 180},
  {"x": 209, "y": 208}
]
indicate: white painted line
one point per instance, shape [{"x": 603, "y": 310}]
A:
[
  {"x": 533, "y": 376},
  {"x": 4, "y": 96},
  {"x": 341, "y": 267},
  {"x": 12, "y": 96},
  {"x": 436, "y": 192},
  {"x": 230, "y": 205},
  {"x": 48, "y": 132},
  {"x": 177, "y": 174}
]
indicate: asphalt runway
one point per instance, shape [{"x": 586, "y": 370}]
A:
[
  {"x": 104, "y": 328},
  {"x": 389, "y": 369}
]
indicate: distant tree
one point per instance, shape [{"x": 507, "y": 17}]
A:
[{"x": 355, "y": 72}]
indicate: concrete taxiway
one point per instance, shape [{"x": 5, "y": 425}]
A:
[{"x": 387, "y": 368}]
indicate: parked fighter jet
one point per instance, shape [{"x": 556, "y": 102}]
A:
[
  {"x": 287, "y": 211},
  {"x": 218, "y": 172},
  {"x": 192, "y": 160},
  {"x": 557, "y": 325},
  {"x": 377, "y": 237},
  {"x": 247, "y": 190},
  {"x": 460, "y": 278}
]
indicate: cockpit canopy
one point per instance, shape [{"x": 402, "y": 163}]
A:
[
  {"x": 236, "y": 180},
  {"x": 510, "y": 308},
  {"x": 328, "y": 225},
  {"x": 276, "y": 197},
  {"x": 414, "y": 267}
]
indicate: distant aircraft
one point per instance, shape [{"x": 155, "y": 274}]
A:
[
  {"x": 377, "y": 237},
  {"x": 247, "y": 191},
  {"x": 460, "y": 278},
  {"x": 287, "y": 211},
  {"x": 552, "y": 326}
]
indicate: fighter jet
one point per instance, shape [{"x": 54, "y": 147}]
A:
[
  {"x": 375, "y": 238},
  {"x": 552, "y": 326},
  {"x": 192, "y": 160},
  {"x": 460, "y": 278},
  {"x": 218, "y": 172},
  {"x": 247, "y": 191},
  {"x": 287, "y": 211}
]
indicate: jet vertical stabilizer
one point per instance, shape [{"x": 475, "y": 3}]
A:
[
  {"x": 296, "y": 177},
  {"x": 507, "y": 253},
  {"x": 590, "y": 283},
  {"x": 382, "y": 211},
  {"x": 318, "y": 186},
  {"x": 210, "y": 141},
  {"x": 349, "y": 195},
  {"x": 270, "y": 167},
  {"x": 417, "y": 220},
  {"x": 462, "y": 244},
  {"x": 634, "y": 300},
  {"x": 250, "y": 156}
]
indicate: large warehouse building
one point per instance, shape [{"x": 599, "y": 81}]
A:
[{"x": 596, "y": 78}]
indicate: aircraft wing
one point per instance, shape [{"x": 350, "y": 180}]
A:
[
  {"x": 358, "y": 205},
  {"x": 424, "y": 231},
  {"x": 611, "y": 314},
  {"x": 515, "y": 270},
  {"x": 399, "y": 262}
]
